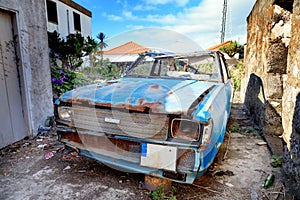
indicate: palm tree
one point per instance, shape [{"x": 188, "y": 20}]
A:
[{"x": 101, "y": 36}]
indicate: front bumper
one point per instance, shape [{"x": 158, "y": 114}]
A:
[{"x": 125, "y": 154}]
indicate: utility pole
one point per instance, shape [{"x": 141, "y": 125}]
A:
[{"x": 224, "y": 21}]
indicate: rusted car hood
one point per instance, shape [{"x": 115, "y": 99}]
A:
[{"x": 154, "y": 95}]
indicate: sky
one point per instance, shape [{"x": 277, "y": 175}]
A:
[{"x": 155, "y": 23}]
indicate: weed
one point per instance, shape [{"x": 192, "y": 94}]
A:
[
  {"x": 276, "y": 161},
  {"x": 235, "y": 127},
  {"x": 227, "y": 134},
  {"x": 160, "y": 194},
  {"x": 250, "y": 130}
]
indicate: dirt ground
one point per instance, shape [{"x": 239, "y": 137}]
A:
[{"x": 239, "y": 171}]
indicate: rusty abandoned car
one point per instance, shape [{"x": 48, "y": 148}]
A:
[{"x": 166, "y": 116}]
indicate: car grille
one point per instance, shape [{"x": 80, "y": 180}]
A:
[{"x": 116, "y": 122}]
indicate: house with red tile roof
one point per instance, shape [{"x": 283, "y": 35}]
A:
[
  {"x": 125, "y": 53},
  {"x": 127, "y": 48},
  {"x": 218, "y": 46}
]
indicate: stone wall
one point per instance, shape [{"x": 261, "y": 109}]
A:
[
  {"x": 35, "y": 79},
  {"x": 291, "y": 106},
  {"x": 269, "y": 33},
  {"x": 271, "y": 85},
  {"x": 292, "y": 78}
]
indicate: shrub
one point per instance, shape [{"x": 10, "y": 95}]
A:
[
  {"x": 64, "y": 79},
  {"x": 68, "y": 53},
  {"x": 237, "y": 72}
]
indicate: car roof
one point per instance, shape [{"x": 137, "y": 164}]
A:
[{"x": 171, "y": 54}]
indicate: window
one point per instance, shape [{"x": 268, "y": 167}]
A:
[
  {"x": 52, "y": 12},
  {"x": 77, "y": 25}
]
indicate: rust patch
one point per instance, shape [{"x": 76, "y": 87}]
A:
[
  {"x": 140, "y": 107},
  {"x": 88, "y": 101},
  {"x": 108, "y": 105},
  {"x": 111, "y": 82},
  {"x": 130, "y": 99},
  {"x": 70, "y": 101},
  {"x": 110, "y": 144},
  {"x": 141, "y": 101},
  {"x": 69, "y": 136},
  {"x": 155, "y": 107},
  {"x": 152, "y": 183},
  {"x": 79, "y": 102},
  {"x": 154, "y": 87},
  {"x": 210, "y": 108}
]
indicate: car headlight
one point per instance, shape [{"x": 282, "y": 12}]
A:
[
  {"x": 185, "y": 129},
  {"x": 65, "y": 113},
  {"x": 206, "y": 133}
]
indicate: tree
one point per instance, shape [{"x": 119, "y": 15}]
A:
[
  {"x": 101, "y": 44},
  {"x": 70, "y": 50},
  {"x": 232, "y": 48}
]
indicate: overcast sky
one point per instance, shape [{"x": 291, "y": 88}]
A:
[{"x": 198, "y": 21}]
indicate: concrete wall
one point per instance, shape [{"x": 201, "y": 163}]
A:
[
  {"x": 271, "y": 86},
  {"x": 65, "y": 24},
  {"x": 31, "y": 37}
]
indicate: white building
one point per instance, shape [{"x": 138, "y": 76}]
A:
[{"x": 66, "y": 16}]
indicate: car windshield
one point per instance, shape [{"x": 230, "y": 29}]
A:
[{"x": 197, "y": 67}]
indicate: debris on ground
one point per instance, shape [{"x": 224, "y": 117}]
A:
[
  {"x": 70, "y": 155},
  {"x": 262, "y": 143},
  {"x": 67, "y": 168},
  {"x": 44, "y": 129},
  {"x": 42, "y": 146},
  {"x": 276, "y": 192},
  {"x": 269, "y": 181},
  {"x": 49, "y": 155}
]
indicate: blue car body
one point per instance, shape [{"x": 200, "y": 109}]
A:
[{"x": 152, "y": 121}]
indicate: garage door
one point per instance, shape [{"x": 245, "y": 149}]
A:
[{"x": 11, "y": 115}]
